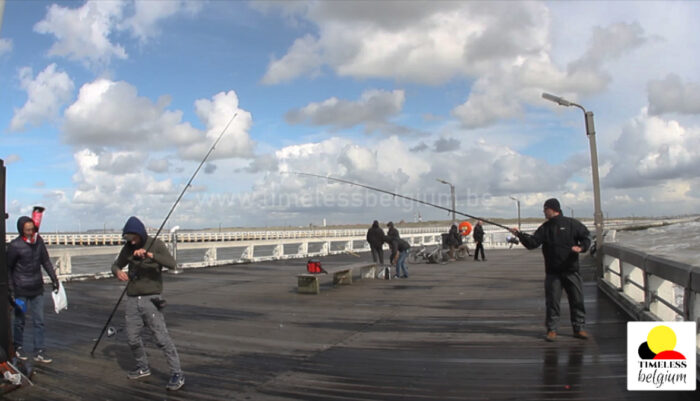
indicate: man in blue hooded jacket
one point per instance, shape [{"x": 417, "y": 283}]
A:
[
  {"x": 146, "y": 257},
  {"x": 26, "y": 255}
]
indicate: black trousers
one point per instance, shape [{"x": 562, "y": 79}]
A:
[
  {"x": 479, "y": 247},
  {"x": 377, "y": 253},
  {"x": 571, "y": 283}
]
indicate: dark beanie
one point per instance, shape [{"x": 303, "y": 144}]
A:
[{"x": 553, "y": 204}]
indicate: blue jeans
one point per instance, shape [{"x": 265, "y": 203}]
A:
[
  {"x": 35, "y": 306},
  {"x": 401, "y": 270}
]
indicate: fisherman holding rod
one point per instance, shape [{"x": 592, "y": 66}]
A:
[
  {"x": 562, "y": 239},
  {"x": 146, "y": 258}
]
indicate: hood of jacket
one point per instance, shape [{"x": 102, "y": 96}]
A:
[
  {"x": 135, "y": 226},
  {"x": 21, "y": 222}
]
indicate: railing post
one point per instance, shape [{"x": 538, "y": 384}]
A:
[
  {"x": 278, "y": 251},
  {"x": 210, "y": 256},
  {"x": 303, "y": 249},
  {"x": 248, "y": 252}
]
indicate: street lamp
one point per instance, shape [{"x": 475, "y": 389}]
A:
[
  {"x": 452, "y": 192},
  {"x": 590, "y": 132},
  {"x": 572, "y": 211},
  {"x": 518, "y": 203}
]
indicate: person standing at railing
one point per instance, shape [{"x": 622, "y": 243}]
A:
[
  {"x": 26, "y": 255},
  {"x": 562, "y": 239},
  {"x": 146, "y": 257},
  {"x": 375, "y": 238}
]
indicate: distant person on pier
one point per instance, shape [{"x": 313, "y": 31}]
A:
[
  {"x": 146, "y": 257},
  {"x": 393, "y": 234},
  {"x": 399, "y": 254},
  {"x": 479, "y": 240},
  {"x": 26, "y": 255},
  {"x": 562, "y": 239},
  {"x": 454, "y": 240},
  {"x": 375, "y": 237}
]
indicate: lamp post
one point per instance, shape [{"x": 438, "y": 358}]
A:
[
  {"x": 590, "y": 132},
  {"x": 572, "y": 211},
  {"x": 517, "y": 201},
  {"x": 452, "y": 193}
]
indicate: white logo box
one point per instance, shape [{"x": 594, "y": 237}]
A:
[{"x": 646, "y": 374}]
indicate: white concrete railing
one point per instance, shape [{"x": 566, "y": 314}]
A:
[
  {"x": 78, "y": 239},
  {"x": 212, "y": 236},
  {"x": 652, "y": 288},
  {"x": 493, "y": 239},
  {"x": 64, "y": 256}
]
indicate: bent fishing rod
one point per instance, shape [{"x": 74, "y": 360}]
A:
[
  {"x": 400, "y": 196},
  {"x": 189, "y": 183}
]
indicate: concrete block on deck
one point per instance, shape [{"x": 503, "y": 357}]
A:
[
  {"x": 343, "y": 277},
  {"x": 308, "y": 284}
]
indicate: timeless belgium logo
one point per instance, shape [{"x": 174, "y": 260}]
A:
[{"x": 661, "y": 356}]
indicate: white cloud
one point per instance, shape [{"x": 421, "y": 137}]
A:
[
  {"x": 373, "y": 108},
  {"x": 650, "y": 151},
  {"x": 5, "y": 46},
  {"x": 302, "y": 58},
  {"x": 147, "y": 14},
  {"x": 504, "y": 46},
  {"x": 87, "y": 34},
  {"x": 105, "y": 194},
  {"x": 46, "y": 94},
  {"x": 82, "y": 34},
  {"x": 110, "y": 114},
  {"x": 158, "y": 165},
  {"x": 12, "y": 158},
  {"x": 672, "y": 95}
]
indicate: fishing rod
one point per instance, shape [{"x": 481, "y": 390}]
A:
[
  {"x": 400, "y": 196},
  {"x": 189, "y": 183}
]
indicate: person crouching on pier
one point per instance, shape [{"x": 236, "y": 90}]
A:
[
  {"x": 146, "y": 257},
  {"x": 562, "y": 239}
]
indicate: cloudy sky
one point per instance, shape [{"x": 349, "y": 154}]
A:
[{"x": 108, "y": 107}]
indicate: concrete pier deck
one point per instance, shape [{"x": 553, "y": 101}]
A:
[{"x": 461, "y": 331}]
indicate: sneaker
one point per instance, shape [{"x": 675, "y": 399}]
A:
[
  {"x": 551, "y": 336},
  {"x": 138, "y": 373},
  {"x": 19, "y": 353},
  {"x": 582, "y": 334},
  {"x": 176, "y": 381},
  {"x": 41, "y": 357}
]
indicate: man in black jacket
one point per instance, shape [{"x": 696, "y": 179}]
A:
[
  {"x": 375, "y": 237},
  {"x": 26, "y": 255},
  {"x": 479, "y": 239},
  {"x": 562, "y": 239}
]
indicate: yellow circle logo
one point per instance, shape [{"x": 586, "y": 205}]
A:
[{"x": 661, "y": 338}]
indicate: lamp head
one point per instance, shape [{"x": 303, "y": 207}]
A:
[{"x": 556, "y": 99}]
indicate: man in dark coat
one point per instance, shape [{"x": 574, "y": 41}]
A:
[
  {"x": 479, "y": 239},
  {"x": 562, "y": 239},
  {"x": 454, "y": 240},
  {"x": 146, "y": 257},
  {"x": 392, "y": 235},
  {"x": 399, "y": 253},
  {"x": 26, "y": 255},
  {"x": 375, "y": 237}
]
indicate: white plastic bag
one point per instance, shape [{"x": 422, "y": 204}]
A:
[{"x": 60, "y": 301}]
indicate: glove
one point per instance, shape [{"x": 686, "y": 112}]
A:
[{"x": 55, "y": 286}]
